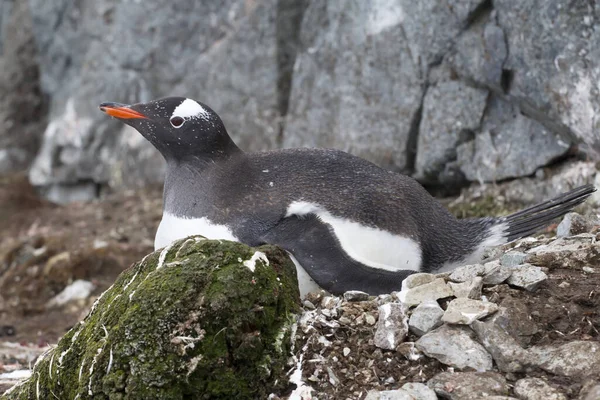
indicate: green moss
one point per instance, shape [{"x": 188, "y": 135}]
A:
[{"x": 202, "y": 325}]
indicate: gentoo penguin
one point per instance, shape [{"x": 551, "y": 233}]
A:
[{"x": 347, "y": 223}]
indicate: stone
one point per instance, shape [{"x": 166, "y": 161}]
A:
[
  {"x": 574, "y": 224},
  {"x": 513, "y": 258},
  {"x": 515, "y": 318},
  {"x": 464, "y": 311},
  {"x": 468, "y": 272},
  {"x": 468, "y": 385},
  {"x": 392, "y": 326},
  {"x": 243, "y": 57},
  {"x": 577, "y": 358},
  {"x": 527, "y": 276},
  {"x": 451, "y": 109},
  {"x": 409, "y": 351},
  {"x": 456, "y": 347},
  {"x": 427, "y": 316},
  {"x": 419, "y": 391},
  {"x": 536, "y": 389},
  {"x": 436, "y": 289},
  {"x": 505, "y": 350},
  {"x": 398, "y": 394},
  {"x": 500, "y": 273},
  {"x": 590, "y": 391},
  {"x": 191, "y": 317},
  {"x": 470, "y": 289},
  {"x": 78, "y": 290},
  {"x": 418, "y": 279},
  {"x": 356, "y": 295},
  {"x": 22, "y": 107},
  {"x": 508, "y": 145}
]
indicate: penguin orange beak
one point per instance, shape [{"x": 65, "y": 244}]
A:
[{"x": 122, "y": 111}]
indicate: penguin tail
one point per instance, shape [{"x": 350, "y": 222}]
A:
[{"x": 532, "y": 219}]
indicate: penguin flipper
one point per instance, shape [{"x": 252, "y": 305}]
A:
[{"x": 313, "y": 244}]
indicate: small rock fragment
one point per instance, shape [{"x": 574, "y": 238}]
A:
[
  {"x": 470, "y": 289},
  {"x": 419, "y": 391},
  {"x": 464, "y": 385},
  {"x": 436, "y": 289},
  {"x": 356, "y": 295},
  {"x": 508, "y": 355},
  {"x": 591, "y": 390},
  {"x": 536, "y": 389},
  {"x": 468, "y": 272},
  {"x": 515, "y": 318},
  {"x": 527, "y": 276},
  {"x": 77, "y": 290},
  {"x": 455, "y": 346},
  {"x": 513, "y": 258},
  {"x": 418, "y": 279},
  {"x": 398, "y": 394},
  {"x": 499, "y": 273},
  {"x": 392, "y": 326},
  {"x": 577, "y": 358},
  {"x": 409, "y": 351},
  {"x": 346, "y": 351},
  {"x": 589, "y": 270},
  {"x": 464, "y": 311},
  {"x": 574, "y": 224},
  {"x": 427, "y": 316}
]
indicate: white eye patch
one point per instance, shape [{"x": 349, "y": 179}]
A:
[{"x": 190, "y": 109}]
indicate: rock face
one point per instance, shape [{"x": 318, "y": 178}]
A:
[
  {"x": 22, "y": 106},
  {"x": 448, "y": 93},
  {"x": 200, "y": 318}
]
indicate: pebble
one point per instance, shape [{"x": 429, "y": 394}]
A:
[
  {"x": 392, "y": 326},
  {"x": 436, "y": 289},
  {"x": 527, "y": 276},
  {"x": 419, "y": 391},
  {"x": 506, "y": 352},
  {"x": 463, "y": 385},
  {"x": 536, "y": 389},
  {"x": 356, "y": 295},
  {"x": 417, "y": 279},
  {"x": 513, "y": 258},
  {"x": 346, "y": 351},
  {"x": 455, "y": 346},
  {"x": 468, "y": 272},
  {"x": 398, "y": 394},
  {"x": 409, "y": 351},
  {"x": 424, "y": 318},
  {"x": 499, "y": 273},
  {"x": 470, "y": 289},
  {"x": 464, "y": 311}
]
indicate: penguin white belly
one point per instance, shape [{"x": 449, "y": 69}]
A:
[
  {"x": 173, "y": 228},
  {"x": 375, "y": 248}
]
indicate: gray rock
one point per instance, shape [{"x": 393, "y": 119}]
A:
[
  {"x": 514, "y": 317},
  {"x": 392, "y": 326},
  {"x": 469, "y": 289},
  {"x": 590, "y": 391},
  {"x": 500, "y": 273},
  {"x": 451, "y": 112},
  {"x": 455, "y": 346},
  {"x": 575, "y": 224},
  {"x": 513, "y": 258},
  {"x": 419, "y": 391},
  {"x": 427, "y": 316},
  {"x": 417, "y": 279},
  {"x": 536, "y": 389},
  {"x": 578, "y": 358},
  {"x": 551, "y": 77},
  {"x": 398, "y": 394},
  {"x": 409, "y": 351},
  {"x": 464, "y": 311},
  {"x": 468, "y": 385},
  {"x": 333, "y": 105},
  {"x": 469, "y": 272},
  {"x": 356, "y": 295},
  {"x": 509, "y": 145},
  {"x": 236, "y": 59},
  {"x": 527, "y": 276},
  {"x": 437, "y": 289},
  {"x": 22, "y": 107},
  {"x": 506, "y": 352}
]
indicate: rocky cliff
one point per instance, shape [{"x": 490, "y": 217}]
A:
[{"x": 450, "y": 92}]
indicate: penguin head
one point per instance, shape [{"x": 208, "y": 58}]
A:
[{"x": 176, "y": 126}]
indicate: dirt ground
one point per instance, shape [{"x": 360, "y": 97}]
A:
[{"x": 45, "y": 247}]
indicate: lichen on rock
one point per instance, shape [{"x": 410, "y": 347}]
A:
[{"x": 189, "y": 321}]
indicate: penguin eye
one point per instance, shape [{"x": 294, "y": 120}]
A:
[{"x": 177, "y": 122}]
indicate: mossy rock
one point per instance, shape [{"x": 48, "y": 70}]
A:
[{"x": 201, "y": 319}]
